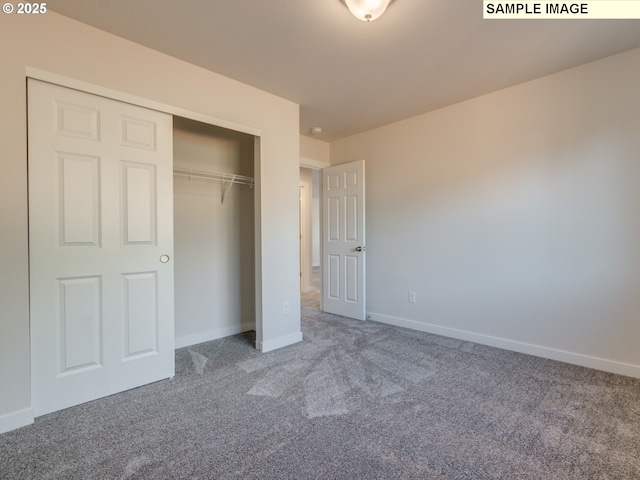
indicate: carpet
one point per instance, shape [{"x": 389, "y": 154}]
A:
[{"x": 354, "y": 400}]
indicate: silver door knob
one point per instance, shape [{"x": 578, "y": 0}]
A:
[
  {"x": 164, "y": 258},
  {"x": 360, "y": 249}
]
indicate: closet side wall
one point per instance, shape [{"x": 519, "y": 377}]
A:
[{"x": 214, "y": 240}]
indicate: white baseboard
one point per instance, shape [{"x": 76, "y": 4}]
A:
[
  {"x": 18, "y": 419},
  {"x": 216, "y": 333},
  {"x": 279, "y": 342},
  {"x": 513, "y": 345}
]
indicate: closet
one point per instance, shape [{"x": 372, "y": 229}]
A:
[
  {"x": 116, "y": 283},
  {"x": 214, "y": 247}
]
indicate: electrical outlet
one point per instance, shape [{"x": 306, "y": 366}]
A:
[
  {"x": 412, "y": 297},
  {"x": 285, "y": 308}
]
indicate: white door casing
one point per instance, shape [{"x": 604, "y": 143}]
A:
[
  {"x": 303, "y": 239},
  {"x": 343, "y": 240},
  {"x": 100, "y": 219}
]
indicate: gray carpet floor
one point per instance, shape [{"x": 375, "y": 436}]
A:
[{"x": 353, "y": 400}]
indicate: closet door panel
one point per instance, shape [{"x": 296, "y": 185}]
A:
[
  {"x": 100, "y": 219},
  {"x": 139, "y": 200},
  {"x": 141, "y": 314},
  {"x": 79, "y": 199}
]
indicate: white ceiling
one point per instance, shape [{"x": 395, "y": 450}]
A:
[{"x": 349, "y": 76}]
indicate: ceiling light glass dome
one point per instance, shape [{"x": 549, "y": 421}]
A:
[{"x": 367, "y": 10}]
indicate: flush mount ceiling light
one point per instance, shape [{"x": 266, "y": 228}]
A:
[{"x": 367, "y": 10}]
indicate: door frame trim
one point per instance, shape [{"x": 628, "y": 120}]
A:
[{"x": 305, "y": 237}]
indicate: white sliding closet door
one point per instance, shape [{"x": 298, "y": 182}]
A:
[{"x": 100, "y": 246}]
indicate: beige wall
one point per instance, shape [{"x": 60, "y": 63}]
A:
[
  {"x": 55, "y": 44},
  {"x": 314, "y": 153},
  {"x": 514, "y": 217}
]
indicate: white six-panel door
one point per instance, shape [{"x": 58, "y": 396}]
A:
[
  {"x": 343, "y": 242},
  {"x": 100, "y": 246}
]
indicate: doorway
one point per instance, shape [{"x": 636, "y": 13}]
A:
[{"x": 310, "y": 272}]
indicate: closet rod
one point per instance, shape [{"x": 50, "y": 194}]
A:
[{"x": 225, "y": 177}]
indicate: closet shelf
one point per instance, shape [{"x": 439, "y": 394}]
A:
[
  {"x": 224, "y": 177},
  {"x": 227, "y": 179}
]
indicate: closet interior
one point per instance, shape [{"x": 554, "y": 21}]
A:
[{"x": 213, "y": 232}]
